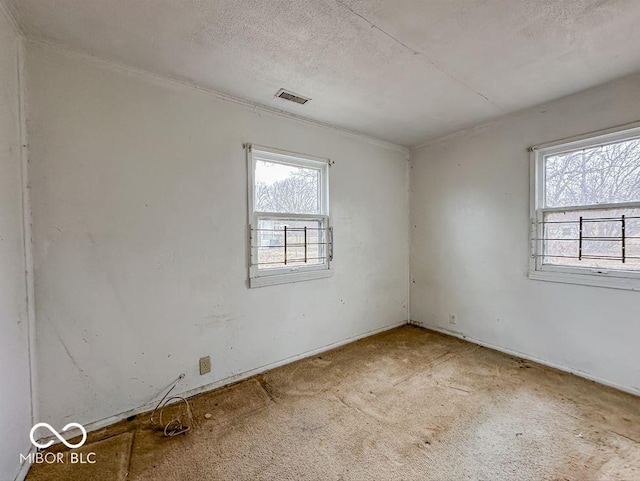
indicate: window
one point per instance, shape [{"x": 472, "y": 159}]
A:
[
  {"x": 586, "y": 210},
  {"x": 290, "y": 231}
]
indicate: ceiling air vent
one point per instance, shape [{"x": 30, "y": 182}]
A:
[{"x": 299, "y": 99}]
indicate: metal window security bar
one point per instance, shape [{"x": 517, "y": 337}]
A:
[
  {"x": 582, "y": 239},
  {"x": 309, "y": 246}
]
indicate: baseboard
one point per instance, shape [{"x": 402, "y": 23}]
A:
[
  {"x": 576, "y": 372},
  {"x": 99, "y": 424}
]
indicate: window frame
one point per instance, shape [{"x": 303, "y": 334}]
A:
[
  {"x": 261, "y": 278},
  {"x": 590, "y": 276}
]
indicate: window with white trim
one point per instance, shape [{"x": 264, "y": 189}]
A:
[
  {"x": 290, "y": 230},
  {"x": 586, "y": 210}
]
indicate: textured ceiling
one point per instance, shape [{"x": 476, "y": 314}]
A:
[{"x": 406, "y": 71}]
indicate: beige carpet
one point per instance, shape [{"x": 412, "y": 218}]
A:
[
  {"x": 408, "y": 404},
  {"x": 108, "y": 463}
]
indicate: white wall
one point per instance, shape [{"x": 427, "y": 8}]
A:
[
  {"x": 470, "y": 231},
  {"x": 15, "y": 394},
  {"x": 139, "y": 207}
]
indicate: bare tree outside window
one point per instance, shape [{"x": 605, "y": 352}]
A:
[
  {"x": 295, "y": 193},
  {"x": 605, "y": 174},
  {"x": 291, "y": 226}
]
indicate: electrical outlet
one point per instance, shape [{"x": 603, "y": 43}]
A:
[
  {"x": 453, "y": 319},
  {"x": 205, "y": 365}
]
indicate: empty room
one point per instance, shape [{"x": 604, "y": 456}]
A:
[{"x": 318, "y": 240}]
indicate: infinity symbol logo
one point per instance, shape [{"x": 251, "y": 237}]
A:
[{"x": 57, "y": 435}]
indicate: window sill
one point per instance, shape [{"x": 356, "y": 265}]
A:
[
  {"x": 274, "y": 280},
  {"x": 594, "y": 280}
]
